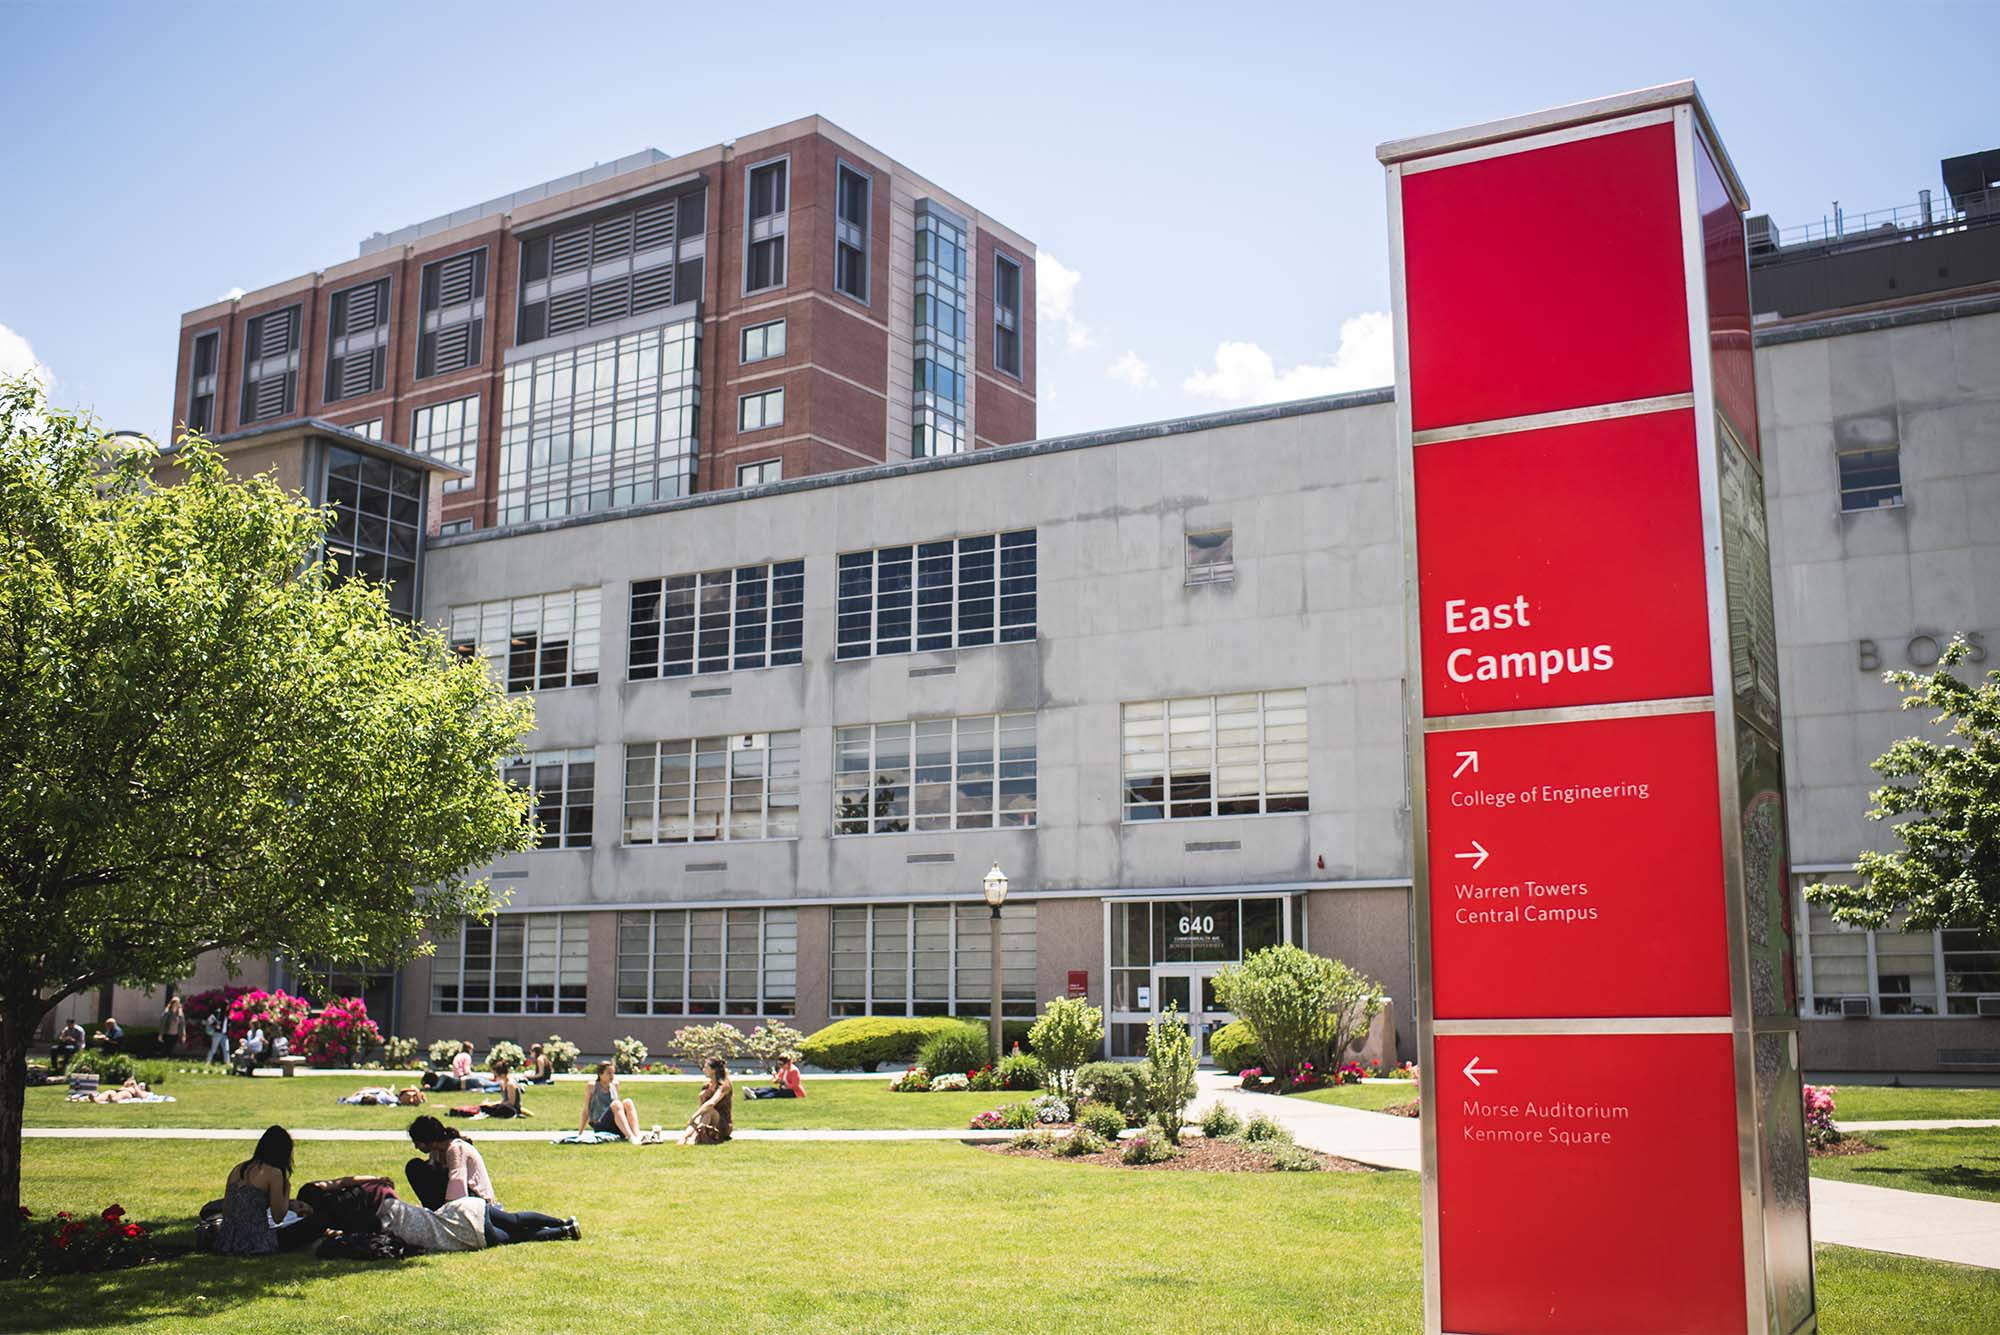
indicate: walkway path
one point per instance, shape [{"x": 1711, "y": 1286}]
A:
[
  {"x": 1923, "y": 1124},
  {"x": 1882, "y": 1219},
  {"x": 544, "y": 1136}
]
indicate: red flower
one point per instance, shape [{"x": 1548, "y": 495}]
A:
[
  {"x": 26, "y": 1213},
  {"x": 133, "y": 1230},
  {"x": 114, "y": 1212},
  {"x": 62, "y": 1214}
]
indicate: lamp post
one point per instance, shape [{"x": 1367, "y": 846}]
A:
[{"x": 995, "y": 885}]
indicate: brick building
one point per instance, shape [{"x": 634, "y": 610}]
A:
[{"x": 790, "y": 303}]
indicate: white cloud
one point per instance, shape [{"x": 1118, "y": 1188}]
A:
[
  {"x": 1132, "y": 369},
  {"x": 231, "y": 295},
  {"x": 1245, "y": 373},
  {"x": 1055, "y": 298},
  {"x": 18, "y": 358}
]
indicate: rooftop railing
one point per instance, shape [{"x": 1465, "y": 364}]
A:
[{"x": 1927, "y": 216}]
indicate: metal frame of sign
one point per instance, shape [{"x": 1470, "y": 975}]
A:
[{"x": 1680, "y": 105}]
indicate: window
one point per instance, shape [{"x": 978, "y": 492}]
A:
[
  {"x": 518, "y": 964},
  {"x": 764, "y": 238},
  {"x": 372, "y": 428},
  {"x": 1897, "y": 973},
  {"x": 930, "y": 959},
  {"x": 1006, "y": 315},
  {"x": 937, "y": 595},
  {"x": 708, "y": 962},
  {"x": 938, "y": 424},
  {"x": 1871, "y": 478},
  {"x": 377, "y": 516},
  {"x": 717, "y": 621},
  {"x": 537, "y": 643},
  {"x": 935, "y": 774},
  {"x": 850, "y": 233},
  {"x": 449, "y": 433},
  {"x": 608, "y": 424},
  {"x": 270, "y": 365},
  {"x": 754, "y": 412},
  {"x": 451, "y": 320},
  {"x": 201, "y": 382},
  {"x": 757, "y": 474},
  {"x": 616, "y": 265},
  {"x": 744, "y": 786},
  {"x": 1211, "y": 557},
  {"x": 565, "y": 801},
  {"x": 761, "y": 342},
  {"x": 1222, "y": 755},
  {"x": 357, "y": 346},
  {"x": 454, "y": 526}
]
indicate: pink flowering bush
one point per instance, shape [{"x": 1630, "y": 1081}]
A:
[
  {"x": 340, "y": 1035},
  {"x": 1251, "y": 1076},
  {"x": 275, "y": 1012},
  {"x": 1820, "y": 1130},
  {"x": 200, "y": 1004},
  {"x": 993, "y": 1119}
]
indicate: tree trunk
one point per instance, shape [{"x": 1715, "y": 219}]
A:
[{"x": 17, "y": 1027}]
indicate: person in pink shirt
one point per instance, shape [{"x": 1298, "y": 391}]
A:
[
  {"x": 461, "y": 1065},
  {"x": 785, "y": 1082},
  {"x": 452, "y": 1167}
]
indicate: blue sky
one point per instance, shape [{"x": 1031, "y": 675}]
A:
[{"x": 1199, "y": 178}]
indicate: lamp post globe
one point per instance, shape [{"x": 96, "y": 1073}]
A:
[{"x": 995, "y": 886}]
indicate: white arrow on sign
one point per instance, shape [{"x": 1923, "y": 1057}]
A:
[
  {"x": 1466, "y": 760},
  {"x": 1477, "y": 857},
  {"x": 1473, "y": 1070}
]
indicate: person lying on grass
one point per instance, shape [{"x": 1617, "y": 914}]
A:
[
  {"x": 605, "y": 1110},
  {"x": 509, "y": 1102},
  {"x": 460, "y": 1076},
  {"x": 785, "y": 1082},
  {"x": 452, "y": 1169},
  {"x": 132, "y": 1091}
]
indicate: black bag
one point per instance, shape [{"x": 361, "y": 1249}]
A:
[
  {"x": 346, "y": 1209},
  {"x": 350, "y": 1246}
]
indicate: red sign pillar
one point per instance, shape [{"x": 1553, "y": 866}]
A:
[{"x": 1613, "y": 1133}]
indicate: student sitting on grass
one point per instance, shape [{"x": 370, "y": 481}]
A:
[
  {"x": 785, "y": 1082},
  {"x": 509, "y": 1103},
  {"x": 711, "y": 1123},
  {"x": 250, "y": 1052},
  {"x": 452, "y": 1168},
  {"x": 541, "y": 1071},
  {"x": 605, "y": 1110},
  {"x": 259, "y": 1216}
]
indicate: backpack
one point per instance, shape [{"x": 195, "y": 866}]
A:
[{"x": 360, "y": 1247}]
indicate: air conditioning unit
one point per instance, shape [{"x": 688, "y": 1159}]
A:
[
  {"x": 1855, "y": 1008},
  {"x": 1989, "y": 1007}
]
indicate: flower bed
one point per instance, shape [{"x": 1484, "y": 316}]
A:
[
  {"x": 1197, "y": 1155},
  {"x": 65, "y": 1244}
]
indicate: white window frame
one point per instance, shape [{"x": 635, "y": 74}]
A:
[
  {"x": 565, "y": 760},
  {"x": 1939, "y": 995},
  {"x": 566, "y": 922},
  {"x": 997, "y": 629},
  {"x": 759, "y": 465},
  {"x": 1019, "y": 921},
  {"x": 769, "y": 744},
  {"x": 1199, "y": 573},
  {"x": 994, "y": 816},
  {"x": 768, "y": 352},
  {"x": 763, "y": 398},
  {"x": 772, "y": 226},
  {"x": 765, "y": 994},
  {"x": 487, "y": 629},
  {"x": 1165, "y": 750},
  {"x": 1010, "y": 320},
  {"x": 461, "y": 448},
  {"x": 771, "y": 576}
]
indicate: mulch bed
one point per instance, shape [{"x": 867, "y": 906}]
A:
[
  {"x": 1413, "y": 1108},
  {"x": 1845, "y": 1148},
  {"x": 1198, "y": 1155}
]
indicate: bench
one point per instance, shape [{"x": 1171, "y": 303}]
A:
[{"x": 291, "y": 1065}]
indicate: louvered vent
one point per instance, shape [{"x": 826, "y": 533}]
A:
[
  {"x": 569, "y": 310},
  {"x": 610, "y": 239},
  {"x": 653, "y": 288},
  {"x": 455, "y": 280},
  {"x": 270, "y": 397},
  {"x": 570, "y": 251},
  {"x": 454, "y": 349},
  {"x": 601, "y": 254},
  {"x": 275, "y": 334},
  {"x": 654, "y": 227},
  {"x": 364, "y": 309},
  {"x": 610, "y": 300}
]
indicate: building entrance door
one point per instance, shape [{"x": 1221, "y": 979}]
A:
[{"x": 1190, "y": 988}]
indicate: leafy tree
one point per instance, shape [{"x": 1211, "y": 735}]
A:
[
  {"x": 208, "y": 745},
  {"x": 1945, "y": 798},
  {"x": 1068, "y": 1034},
  {"x": 1302, "y": 1007},
  {"x": 1169, "y": 1071}
]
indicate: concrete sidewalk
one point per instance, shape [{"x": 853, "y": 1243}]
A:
[
  {"x": 1881, "y": 1219},
  {"x": 1920, "y": 1124},
  {"x": 249, "y": 1135}
]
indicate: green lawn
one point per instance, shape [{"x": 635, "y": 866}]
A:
[
  {"x": 308, "y": 1102},
  {"x": 1950, "y": 1163},
  {"x": 1369, "y": 1097},
  {"x": 1882, "y": 1103},
  {"x": 819, "y": 1238}
]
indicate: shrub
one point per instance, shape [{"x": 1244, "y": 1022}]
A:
[
  {"x": 1219, "y": 1123},
  {"x": 110, "y": 1068},
  {"x": 1019, "y": 1116},
  {"x": 197, "y": 1006},
  {"x": 504, "y": 1051},
  {"x": 1020, "y": 1071},
  {"x": 562, "y": 1053},
  {"x": 340, "y": 1035},
  {"x": 1101, "y": 1118},
  {"x": 1068, "y": 1035},
  {"x": 699, "y": 1042},
  {"x": 1169, "y": 1071},
  {"x": 865, "y": 1042},
  {"x": 1081, "y": 1142},
  {"x": 949, "y": 1083},
  {"x": 771, "y": 1040},
  {"x": 1149, "y": 1146},
  {"x": 959, "y": 1050},
  {"x": 1820, "y": 1130},
  {"x": 1120, "y": 1084},
  {"x": 1260, "y": 1129},
  {"x": 1301, "y": 1006},
  {"x": 1289, "y": 1158},
  {"x": 67, "y": 1245},
  {"x": 993, "y": 1119},
  {"x": 399, "y": 1054},
  {"x": 275, "y": 1012},
  {"x": 1234, "y": 1047},
  {"x": 628, "y": 1054},
  {"x": 1049, "y": 1109},
  {"x": 916, "y": 1080},
  {"x": 984, "y": 1081},
  {"x": 151, "y": 1073},
  {"x": 1031, "y": 1140},
  {"x": 442, "y": 1050}
]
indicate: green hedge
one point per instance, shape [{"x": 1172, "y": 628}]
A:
[
  {"x": 1121, "y": 1085},
  {"x": 1234, "y": 1047},
  {"x": 960, "y": 1050},
  {"x": 867, "y": 1042}
]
